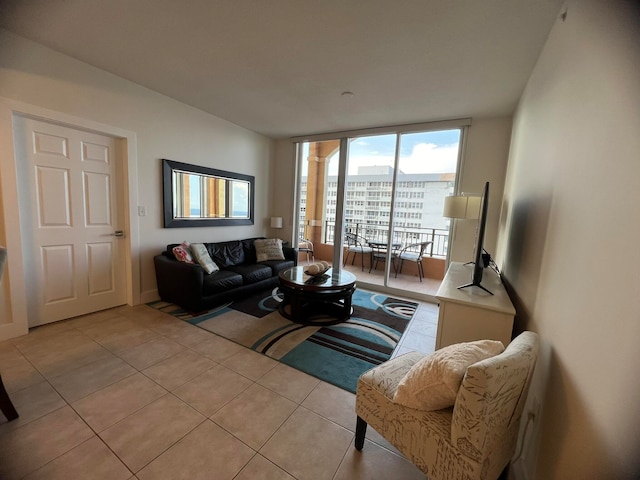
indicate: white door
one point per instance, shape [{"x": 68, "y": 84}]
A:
[{"x": 74, "y": 248}]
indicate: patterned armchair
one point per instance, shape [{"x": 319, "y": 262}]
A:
[
  {"x": 6, "y": 406},
  {"x": 474, "y": 439}
]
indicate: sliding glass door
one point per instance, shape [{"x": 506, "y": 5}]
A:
[
  {"x": 368, "y": 201},
  {"x": 317, "y": 197},
  {"x": 377, "y": 202},
  {"x": 426, "y": 172}
]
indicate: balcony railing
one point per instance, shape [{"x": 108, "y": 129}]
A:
[{"x": 402, "y": 235}]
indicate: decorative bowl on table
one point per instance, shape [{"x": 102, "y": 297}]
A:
[{"x": 317, "y": 269}]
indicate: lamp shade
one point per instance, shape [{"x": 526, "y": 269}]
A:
[
  {"x": 462, "y": 206},
  {"x": 276, "y": 222}
]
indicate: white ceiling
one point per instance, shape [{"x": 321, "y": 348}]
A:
[{"x": 279, "y": 67}]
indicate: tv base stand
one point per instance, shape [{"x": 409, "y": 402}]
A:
[{"x": 475, "y": 285}]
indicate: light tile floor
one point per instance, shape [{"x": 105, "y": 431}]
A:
[{"x": 133, "y": 393}]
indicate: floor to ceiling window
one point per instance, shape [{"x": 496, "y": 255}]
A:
[{"x": 385, "y": 192}]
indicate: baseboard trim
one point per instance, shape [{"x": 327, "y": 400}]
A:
[{"x": 149, "y": 296}]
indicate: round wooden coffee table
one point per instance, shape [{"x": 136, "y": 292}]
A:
[{"x": 308, "y": 300}]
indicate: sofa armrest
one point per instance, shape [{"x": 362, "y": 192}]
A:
[
  {"x": 179, "y": 282},
  {"x": 291, "y": 253}
]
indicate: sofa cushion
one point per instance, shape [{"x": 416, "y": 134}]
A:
[
  {"x": 226, "y": 254},
  {"x": 182, "y": 253},
  {"x": 252, "y": 273},
  {"x": 221, "y": 281},
  {"x": 433, "y": 382},
  {"x": 169, "y": 251},
  {"x": 278, "y": 266},
  {"x": 269, "y": 249},
  {"x": 250, "y": 249},
  {"x": 201, "y": 254}
]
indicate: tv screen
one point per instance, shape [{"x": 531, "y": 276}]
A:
[{"x": 478, "y": 261}]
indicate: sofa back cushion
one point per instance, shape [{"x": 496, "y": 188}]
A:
[
  {"x": 227, "y": 251},
  {"x": 250, "y": 249},
  {"x": 226, "y": 254}
]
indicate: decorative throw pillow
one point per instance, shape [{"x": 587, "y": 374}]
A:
[
  {"x": 203, "y": 258},
  {"x": 269, "y": 249},
  {"x": 434, "y": 381},
  {"x": 183, "y": 253}
]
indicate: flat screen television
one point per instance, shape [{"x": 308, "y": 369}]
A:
[{"x": 479, "y": 263}]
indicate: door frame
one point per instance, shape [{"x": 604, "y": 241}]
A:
[{"x": 13, "y": 297}]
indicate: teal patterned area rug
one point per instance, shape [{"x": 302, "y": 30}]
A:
[{"x": 337, "y": 354}]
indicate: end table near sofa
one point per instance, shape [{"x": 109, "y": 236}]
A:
[{"x": 308, "y": 299}]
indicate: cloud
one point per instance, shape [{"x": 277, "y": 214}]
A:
[
  {"x": 431, "y": 158},
  {"x": 424, "y": 158}
]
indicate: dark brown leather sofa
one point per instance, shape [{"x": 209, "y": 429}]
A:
[{"x": 188, "y": 285}]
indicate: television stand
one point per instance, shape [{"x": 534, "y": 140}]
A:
[{"x": 470, "y": 314}]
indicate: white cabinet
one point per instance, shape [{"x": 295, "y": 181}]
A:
[{"x": 470, "y": 313}]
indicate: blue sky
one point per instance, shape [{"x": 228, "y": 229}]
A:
[
  {"x": 424, "y": 152},
  {"x": 385, "y": 144}
]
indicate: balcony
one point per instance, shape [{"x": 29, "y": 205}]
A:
[{"x": 407, "y": 281}]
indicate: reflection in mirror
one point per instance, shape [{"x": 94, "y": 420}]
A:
[
  {"x": 239, "y": 199},
  {"x": 200, "y": 196}
]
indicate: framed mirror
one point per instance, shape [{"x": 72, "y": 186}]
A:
[{"x": 197, "y": 196}]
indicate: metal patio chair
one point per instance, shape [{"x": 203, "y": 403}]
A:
[
  {"x": 356, "y": 244},
  {"x": 413, "y": 253}
]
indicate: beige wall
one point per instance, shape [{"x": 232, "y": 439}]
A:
[
  {"x": 163, "y": 128},
  {"x": 485, "y": 160},
  {"x": 569, "y": 240}
]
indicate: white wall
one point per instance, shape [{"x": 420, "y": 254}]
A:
[
  {"x": 164, "y": 128},
  {"x": 569, "y": 240},
  {"x": 485, "y": 160}
]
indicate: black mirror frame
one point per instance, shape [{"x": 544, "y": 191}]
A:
[{"x": 167, "y": 195}]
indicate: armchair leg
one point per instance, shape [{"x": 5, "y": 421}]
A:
[
  {"x": 7, "y": 407},
  {"x": 361, "y": 430}
]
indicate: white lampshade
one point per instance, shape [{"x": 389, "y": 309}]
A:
[
  {"x": 276, "y": 222},
  {"x": 462, "y": 206}
]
